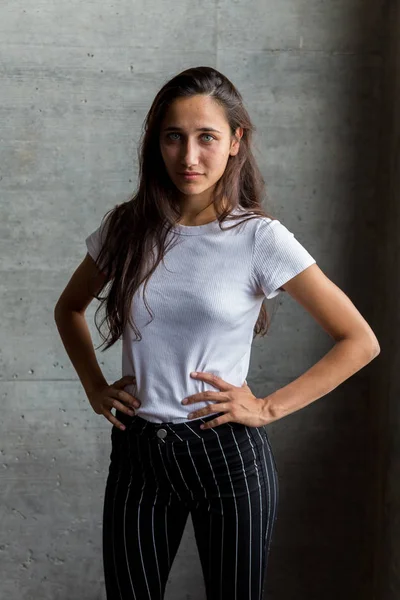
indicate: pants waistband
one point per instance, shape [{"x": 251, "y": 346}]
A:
[{"x": 187, "y": 430}]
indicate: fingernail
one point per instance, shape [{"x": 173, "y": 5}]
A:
[
  {"x": 193, "y": 373},
  {"x": 185, "y": 401}
]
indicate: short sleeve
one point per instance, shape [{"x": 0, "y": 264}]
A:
[
  {"x": 277, "y": 256},
  {"x": 94, "y": 242}
]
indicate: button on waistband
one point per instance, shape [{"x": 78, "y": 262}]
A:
[{"x": 162, "y": 433}]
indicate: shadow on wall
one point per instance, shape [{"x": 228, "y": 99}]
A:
[{"x": 326, "y": 531}]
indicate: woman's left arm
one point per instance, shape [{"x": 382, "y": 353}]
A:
[{"x": 356, "y": 344}]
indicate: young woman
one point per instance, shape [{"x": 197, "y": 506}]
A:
[{"x": 186, "y": 264}]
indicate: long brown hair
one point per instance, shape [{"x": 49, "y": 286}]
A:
[{"x": 140, "y": 225}]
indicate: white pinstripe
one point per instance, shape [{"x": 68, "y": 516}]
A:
[
  {"x": 113, "y": 531},
  {"x": 166, "y": 534},
  {"x": 261, "y": 510},
  {"x": 167, "y": 474},
  {"x": 269, "y": 523},
  {"x": 152, "y": 518},
  {"x": 190, "y": 454},
  {"x": 222, "y": 535},
  {"x": 192, "y": 430},
  {"x": 138, "y": 517},
  {"x": 180, "y": 472},
  {"x": 250, "y": 513},
  {"x": 174, "y": 432},
  {"x": 275, "y": 477},
  {"x": 124, "y": 526},
  {"x": 197, "y": 473},
  {"x": 211, "y": 515}
]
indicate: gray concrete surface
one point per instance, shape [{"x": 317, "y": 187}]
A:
[{"x": 77, "y": 80}]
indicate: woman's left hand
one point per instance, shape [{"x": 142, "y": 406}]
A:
[{"x": 238, "y": 403}]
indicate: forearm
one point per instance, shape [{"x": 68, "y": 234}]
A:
[
  {"x": 343, "y": 360},
  {"x": 75, "y": 335}
]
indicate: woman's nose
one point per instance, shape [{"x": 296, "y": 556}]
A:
[{"x": 189, "y": 153}]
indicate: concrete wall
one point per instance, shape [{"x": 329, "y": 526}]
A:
[{"x": 78, "y": 80}]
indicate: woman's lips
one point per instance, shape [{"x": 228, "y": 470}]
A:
[{"x": 190, "y": 177}]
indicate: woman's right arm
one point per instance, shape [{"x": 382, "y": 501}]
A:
[{"x": 69, "y": 315}]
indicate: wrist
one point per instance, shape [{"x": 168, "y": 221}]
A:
[
  {"x": 269, "y": 411},
  {"x": 95, "y": 386}
]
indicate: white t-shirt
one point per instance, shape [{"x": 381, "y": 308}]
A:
[{"x": 205, "y": 301}]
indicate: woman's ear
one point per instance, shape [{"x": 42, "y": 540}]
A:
[{"x": 236, "y": 142}]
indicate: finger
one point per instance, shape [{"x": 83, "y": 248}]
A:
[
  {"x": 215, "y": 422},
  {"x": 126, "y": 380},
  {"x": 213, "y": 379},
  {"x": 121, "y": 407},
  {"x": 124, "y": 397},
  {"x": 203, "y": 412},
  {"x": 110, "y": 417},
  {"x": 204, "y": 396}
]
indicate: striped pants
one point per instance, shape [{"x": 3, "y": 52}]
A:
[{"x": 224, "y": 476}]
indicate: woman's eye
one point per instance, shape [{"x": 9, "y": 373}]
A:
[{"x": 204, "y": 135}]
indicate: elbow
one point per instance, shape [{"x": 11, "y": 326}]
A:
[
  {"x": 55, "y": 312},
  {"x": 376, "y": 350},
  {"x": 371, "y": 348},
  {"x": 58, "y": 309},
  {"x": 59, "y": 312},
  {"x": 367, "y": 347},
  {"x": 373, "y": 345}
]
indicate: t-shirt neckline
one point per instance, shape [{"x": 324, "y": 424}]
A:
[{"x": 200, "y": 229}]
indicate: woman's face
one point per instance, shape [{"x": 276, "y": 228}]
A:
[{"x": 185, "y": 148}]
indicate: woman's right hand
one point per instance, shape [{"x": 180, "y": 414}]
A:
[{"x": 103, "y": 399}]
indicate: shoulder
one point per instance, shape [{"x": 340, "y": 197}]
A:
[
  {"x": 264, "y": 230},
  {"x": 271, "y": 231},
  {"x": 253, "y": 221},
  {"x": 112, "y": 218},
  {"x": 97, "y": 238},
  {"x": 274, "y": 239}
]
